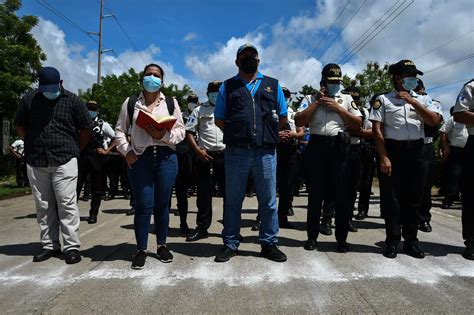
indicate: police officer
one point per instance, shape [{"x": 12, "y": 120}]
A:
[
  {"x": 287, "y": 163},
  {"x": 464, "y": 113},
  {"x": 453, "y": 139},
  {"x": 329, "y": 114},
  {"x": 431, "y": 135},
  {"x": 209, "y": 149},
  {"x": 367, "y": 163},
  {"x": 250, "y": 109},
  {"x": 398, "y": 118},
  {"x": 91, "y": 160}
]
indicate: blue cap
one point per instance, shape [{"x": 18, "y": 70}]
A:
[
  {"x": 244, "y": 47},
  {"x": 49, "y": 79}
]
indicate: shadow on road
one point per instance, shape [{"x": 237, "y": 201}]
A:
[
  {"x": 28, "y": 216},
  {"x": 28, "y": 249},
  {"x": 122, "y": 251}
]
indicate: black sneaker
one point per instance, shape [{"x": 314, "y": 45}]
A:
[
  {"x": 342, "y": 247},
  {"x": 425, "y": 227},
  {"x": 225, "y": 254},
  {"x": 92, "y": 219},
  {"x": 290, "y": 212},
  {"x": 361, "y": 215},
  {"x": 256, "y": 226},
  {"x": 164, "y": 254},
  {"x": 138, "y": 259},
  {"x": 273, "y": 253},
  {"x": 46, "y": 254},
  {"x": 469, "y": 251},
  {"x": 413, "y": 250},
  {"x": 310, "y": 245},
  {"x": 352, "y": 228},
  {"x": 325, "y": 228},
  {"x": 390, "y": 251},
  {"x": 72, "y": 256}
]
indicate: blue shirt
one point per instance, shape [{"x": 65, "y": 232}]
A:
[{"x": 221, "y": 106}]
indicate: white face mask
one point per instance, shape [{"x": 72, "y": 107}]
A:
[{"x": 191, "y": 106}]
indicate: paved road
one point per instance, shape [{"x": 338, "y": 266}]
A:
[{"x": 322, "y": 281}]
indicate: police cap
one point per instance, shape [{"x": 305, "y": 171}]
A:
[
  {"x": 332, "y": 72},
  {"x": 214, "y": 86},
  {"x": 245, "y": 47},
  {"x": 404, "y": 67}
]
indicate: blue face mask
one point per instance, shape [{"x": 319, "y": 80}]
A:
[
  {"x": 51, "y": 95},
  {"x": 410, "y": 83},
  {"x": 151, "y": 83},
  {"x": 333, "y": 89},
  {"x": 212, "y": 97},
  {"x": 93, "y": 114}
]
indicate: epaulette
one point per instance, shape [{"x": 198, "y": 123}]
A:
[{"x": 468, "y": 82}]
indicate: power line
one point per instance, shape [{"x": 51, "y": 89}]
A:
[
  {"x": 451, "y": 83},
  {"x": 320, "y": 41},
  {"x": 369, "y": 31},
  {"x": 450, "y": 63},
  {"x": 442, "y": 45},
  {"x": 378, "y": 32}
]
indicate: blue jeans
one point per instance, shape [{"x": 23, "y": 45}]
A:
[
  {"x": 238, "y": 163},
  {"x": 151, "y": 178}
]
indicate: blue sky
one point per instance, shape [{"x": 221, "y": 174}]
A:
[{"x": 196, "y": 41}]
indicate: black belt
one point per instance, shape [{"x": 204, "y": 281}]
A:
[
  {"x": 325, "y": 139},
  {"x": 406, "y": 144},
  {"x": 216, "y": 153}
]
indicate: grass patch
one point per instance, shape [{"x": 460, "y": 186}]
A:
[{"x": 8, "y": 189}]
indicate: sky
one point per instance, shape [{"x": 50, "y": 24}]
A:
[{"x": 196, "y": 40}]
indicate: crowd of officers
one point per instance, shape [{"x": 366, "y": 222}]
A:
[{"x": 332, "y": 145}]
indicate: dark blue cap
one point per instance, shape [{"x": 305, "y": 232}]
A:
[
  {"x": 49, "y": 79},
  {"x": 245, "y": 47}
]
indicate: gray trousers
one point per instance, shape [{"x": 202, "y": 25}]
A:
[{"x": 54, "y": 190}]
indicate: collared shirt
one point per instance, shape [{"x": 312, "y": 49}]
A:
[
  {"x": 140, "y": 139},
  {"x": 52, "y": 127},
  {"x": 18, "y": 146},
  {"x": 465, "y": 102},
  {"x": 400, "y": 120},
  {"x": 456, "y": 133},
  {"x": 221, "y": 106},
  {"x": 325, "y": 121},
  {"x": 201, "y": 121},
  {"x": 291, "y": 118}
]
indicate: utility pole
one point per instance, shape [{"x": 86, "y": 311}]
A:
[{"x": 100, "y": 50}]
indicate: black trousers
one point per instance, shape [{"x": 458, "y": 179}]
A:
[
  {"x": 287, "y": 172},
  {"x": 116, "y": 172},
  {"x": 182, "y": 184},
  {"x": 452, "y": 174},
  {"x": 325, "y": 163},
  {"x": 401, "y": 193},
  {"x": 208, "y": 174},
  {"x": 367, "y": 175},
  {"x": 468, "y": 191},
  {"x": 354, "y": 172},
  {"x": 430, "y": 171},
  {"x": 91, "y": 164},
  {"x": 21, "y": 175}
]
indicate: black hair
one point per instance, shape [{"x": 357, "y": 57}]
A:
[{"x": 153, "y": 65}]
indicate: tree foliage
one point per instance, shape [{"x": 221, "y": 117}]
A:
[
  {"x": 113, "y": 90},
  {"x": 20, "y": 56}
]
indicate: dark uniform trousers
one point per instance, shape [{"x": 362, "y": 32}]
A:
[
  {"x": 182, "y": 184},
  {"x": 117, "y": 171},
  {"x": 325, "y": 164},
  {"x": 287, "y": 172},
  {"x": 367, "y": 159},
  {"x": 430, "y": 170},
  {"x": 452, "y": 174},
  {"x": 354, "y": 167},
  {"x": 468, "y": 191},
  {"x": 91, "y": 164},
  {"x": 21, "y": 175},
  {"x": 401, "y": 193},
  {"x": 205, "y": 187}
]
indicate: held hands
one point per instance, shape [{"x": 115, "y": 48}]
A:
[
  {"x": 102, "y": 151},
  {"x": 403, "y": 95},
  {"x": 285, "y": 135},
  {"x": 330, "y": 103},
  {"x": 386, "y": 166},
  {"x": 202, "y": 155},
  {"x": 131, "y": 158},
  {"x": 155, "y": 133}
]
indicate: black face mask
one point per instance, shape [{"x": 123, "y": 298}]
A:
[{"x": 248, "y": 64}]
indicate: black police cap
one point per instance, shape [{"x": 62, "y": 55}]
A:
[
  {"x": 214, "y": 86},
  {"x": 332, "y": 72},
  {"x": 404, "y": 67},
  {"x": 353, "y": 91},
  {"x": 193, "y": 98}
]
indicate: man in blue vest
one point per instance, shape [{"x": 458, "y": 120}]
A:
[{"x": 250, "y": 109}]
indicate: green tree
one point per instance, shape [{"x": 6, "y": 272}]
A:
[
  {"x": 373, "y": 79},
  {"x": 305, "y": 90},
  {"x": 113, "y": 90},
  {"x": 20, "y": 56}
]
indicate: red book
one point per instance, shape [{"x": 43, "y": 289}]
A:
[{"x": 144, "y": 119}]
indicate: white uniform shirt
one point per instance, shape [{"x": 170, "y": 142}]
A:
[
  {"x": 18, "y": 146},
  {"x": 139, "y": 137},
  {"x": 400, "y": 120},
  {"x": 326, "y": 122},
  {"x": 201, "y": 121},
  {"x": 291, "y": 118},
  {"x": 465, "y": 102},
  {"x": 456, "y": 133}
]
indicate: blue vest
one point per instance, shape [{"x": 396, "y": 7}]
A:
[{"x": 251, "y": 121}]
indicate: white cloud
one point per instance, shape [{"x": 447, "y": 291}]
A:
[
  {"x": 189, "y": 37},
  {"x": 79, "y": 69}
]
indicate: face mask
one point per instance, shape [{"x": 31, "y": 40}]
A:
[
  {"x": 151, "y": 83},
  {"x": 93, "y": 114},
  {"x": 51, "y": 95},
  {"x": 410, "y": 83},
  {"x": 248, "y": 64},
  {"x": 333, "y": 88},
  {"x": 212, "y": 98},
  {"x": 191, "y": 106}
]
